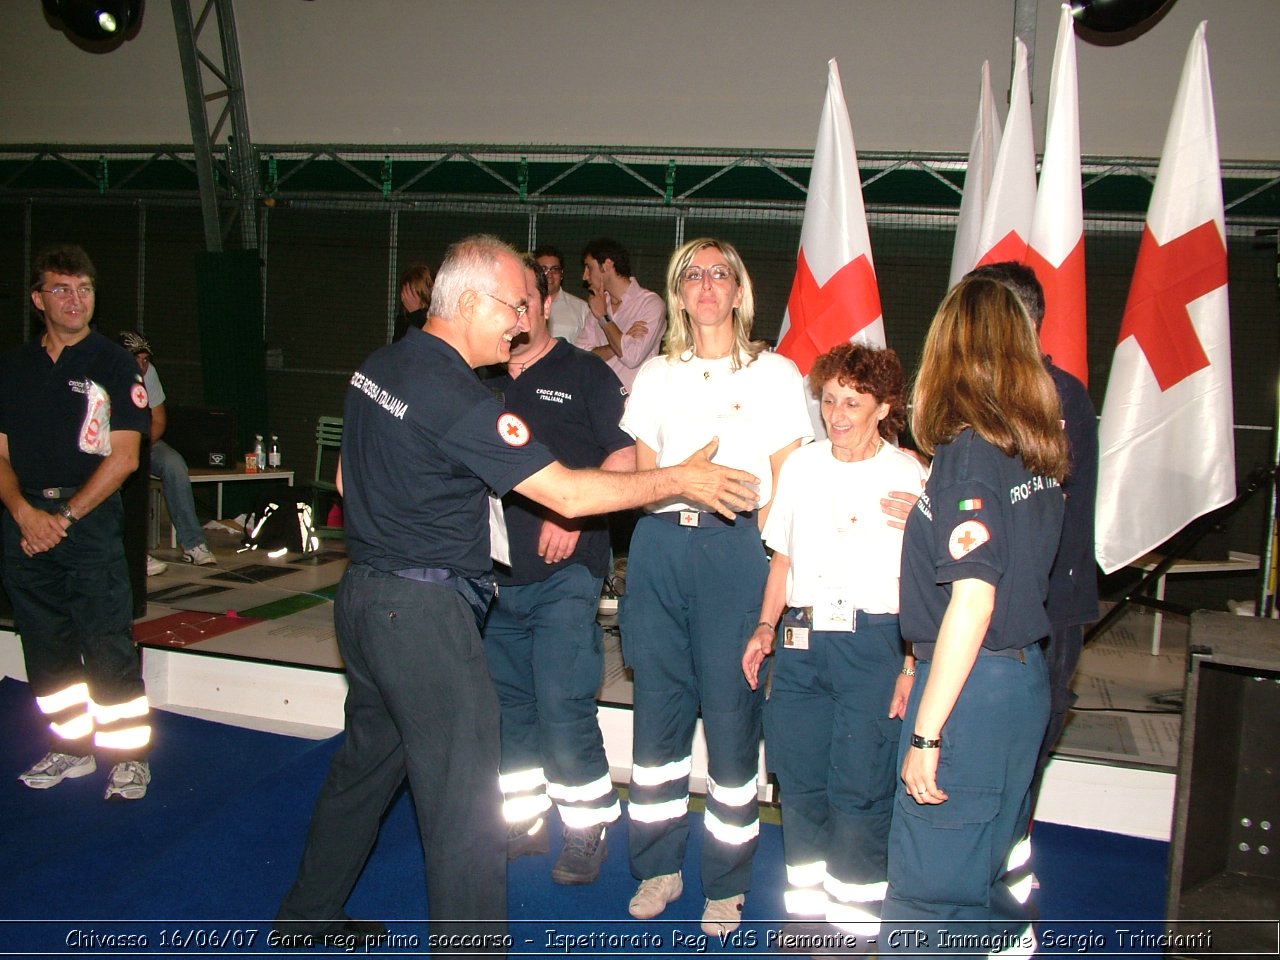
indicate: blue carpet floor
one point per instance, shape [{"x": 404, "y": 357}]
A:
[{"x": 209, "y": 853}]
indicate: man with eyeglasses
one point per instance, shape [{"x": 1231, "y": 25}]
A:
[
  {"x": 423, "y": 444},
  {"x": 627, "y": 321},
  {"x": 73, "y": 410},
  {"x": 568, "y": 313}
]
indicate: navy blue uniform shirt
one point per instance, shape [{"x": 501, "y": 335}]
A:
[
  {"x": 982, "y": 516},
  {"x": 45, "y": 407},
  {"x": 1073, "y": 580},
  {"x": 572, "y": 402},
  {"x": 423, "y": 442}
]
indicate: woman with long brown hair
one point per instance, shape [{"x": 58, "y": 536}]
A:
[{"x": 975, "y": 563}]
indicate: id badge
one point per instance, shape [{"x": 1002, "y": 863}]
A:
[
  {"x": 832, "y": 610},
  {"x": 795, "y": 631}
]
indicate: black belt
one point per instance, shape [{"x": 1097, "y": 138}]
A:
[
  {"x": 478, "y": 592},
  {"x": 860, "y": 619},
  {"x": 427, "y": 574},
  {"x": 1010, "y": 653},
  {"x": 51, "y": 493},
  {"x": 703, "y": 518}
]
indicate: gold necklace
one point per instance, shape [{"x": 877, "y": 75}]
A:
[{"x": 706, "y": 374}]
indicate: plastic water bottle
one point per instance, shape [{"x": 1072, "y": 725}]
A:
[
  {"x": 260, "y": 449},
  {"x": 273, "y": 457}
]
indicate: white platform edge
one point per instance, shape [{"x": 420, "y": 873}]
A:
[{"x": 306, "y": 703}]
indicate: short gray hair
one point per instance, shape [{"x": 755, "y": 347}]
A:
[{"x": 470, "y": 264}]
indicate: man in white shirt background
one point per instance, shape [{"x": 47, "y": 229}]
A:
[{"x": 569, "y": 314}]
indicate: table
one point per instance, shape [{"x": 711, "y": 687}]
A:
[
  {"x": 218, "y": 478},
  {"x": 1236, "y": 562}
]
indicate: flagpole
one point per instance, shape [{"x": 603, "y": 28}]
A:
[{"x": 1265, "y": 605}]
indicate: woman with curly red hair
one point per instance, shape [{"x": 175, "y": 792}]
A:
[{"x": 841, "y": 674}]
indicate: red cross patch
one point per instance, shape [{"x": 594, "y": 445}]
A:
[
  {"x": 138, "y": 394},
  {"x": 513, "y": 430},
  {"x": 966, "y": 538}
]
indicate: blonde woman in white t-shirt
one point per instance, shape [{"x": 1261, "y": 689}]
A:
[{"x": 694, "y": 581}]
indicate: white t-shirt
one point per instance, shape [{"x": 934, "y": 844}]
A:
[
  {"x": 568, "y": 316},
  {"x": 826, "y": 519},
  {"x": 678, "y": 406},
  {"x": 155, "y": 392}
]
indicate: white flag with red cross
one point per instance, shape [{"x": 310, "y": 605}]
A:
[
  {"x": 835, "y": 297},
  {"x": 977, "y": 180},
  {"x": 1166, "y": 449},
  {"x": 1056, "y": 248},
  {"x": 1011, "y": 201}
]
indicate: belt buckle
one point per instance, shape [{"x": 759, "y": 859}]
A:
[
  {"x": 51, "y": 493},
  {"x": 688, "y": 518}
]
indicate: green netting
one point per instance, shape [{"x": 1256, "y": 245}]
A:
[{"x": 346, "y": 222}]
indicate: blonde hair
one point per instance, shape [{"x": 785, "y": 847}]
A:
[
  {"x": 981, "y": 368},
  {"x": 680, "y": 329}
]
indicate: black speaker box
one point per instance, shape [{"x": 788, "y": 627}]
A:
[
  {"x": 204, "y": 436},
  {"x": 1224, "y": 869}
]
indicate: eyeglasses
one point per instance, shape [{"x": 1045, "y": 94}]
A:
[
  {"x": 521, "y": 308},
  {"x": 719, "y": 273},
  {"x": 553, "y": 269},
  {"x": 62, "y": 291}
]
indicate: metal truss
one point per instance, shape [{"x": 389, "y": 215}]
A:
[
  {"x": 223, "y": 156},
  {"x": 436, "y": 176}
]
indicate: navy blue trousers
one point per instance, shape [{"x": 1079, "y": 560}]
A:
[
  {"x": 546, "y": 656},
  {"x": 692, "y": 600},
  {"x": 946, "y": 860},
  {"x": 73, "y": 608},
  {"x": 419, "y": 705},
  {"x": 829, "y": 739}
]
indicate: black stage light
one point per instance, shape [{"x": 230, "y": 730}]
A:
[
  {"x": 1121, "y": 20},
  {"x": 95, "y": 21}
]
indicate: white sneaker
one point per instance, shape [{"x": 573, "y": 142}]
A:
[
  {"x": 200, "y": 555},
  {"x": 155, "y": 567},
  {"x": 653, "y": 895},
  {"x": 51, "y": 769},
  {"x": 720, "y": 917},
  {"x": 128, "y": 780}
]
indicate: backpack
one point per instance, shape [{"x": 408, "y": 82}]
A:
[{"x": 280, "y": 528}]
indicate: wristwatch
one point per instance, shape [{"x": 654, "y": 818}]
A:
[{"x": 65, "y": 512}]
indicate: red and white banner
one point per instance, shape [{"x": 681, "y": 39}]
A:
[
  {"x": 1011, "y": 201},
  {"x": 977, "y": 181},
  {"x": 835, "y": 297},
  {"x": 1166, "y": 449},
  {"x": 1056, "y": 247}
]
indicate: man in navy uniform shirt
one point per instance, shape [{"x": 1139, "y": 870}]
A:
[
  {"x": 544, "y": 646},
  {"x": 72, "y": 414},
  {"x": 423, "y": 444}
]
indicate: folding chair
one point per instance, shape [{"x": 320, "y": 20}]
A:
[{"x": 328, "y": 446}]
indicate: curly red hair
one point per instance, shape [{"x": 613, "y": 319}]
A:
[{"x": 867, "y": 370}]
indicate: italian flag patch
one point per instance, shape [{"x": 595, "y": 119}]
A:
[{"x": 974, "y": 504}]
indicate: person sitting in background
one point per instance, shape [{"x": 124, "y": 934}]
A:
[
  {"x": 167, "y": 463},
  {"x": 415, "y": 294}
]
